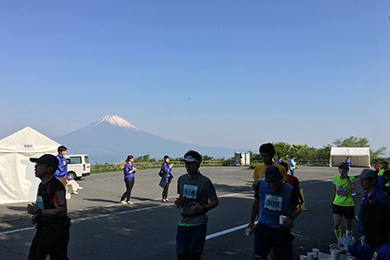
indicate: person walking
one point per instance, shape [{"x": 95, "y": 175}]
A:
[
  {"x": 166, "y": 177},
  {"x": 62, "y": 172},
  {"x": 348, "y": 162},
  {"x": 129, "y": 177},
  {"x": 276, "y": 205},
  {"x": 49, "y": 213},
  {"x": 292, "y": 165},
  {"x": 196, "y": 197},
  {"x": 342, "y": 201}
]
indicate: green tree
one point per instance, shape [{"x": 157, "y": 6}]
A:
[
  {"x": 324, "y": 152},
  {"x": 283, "y": 149}
]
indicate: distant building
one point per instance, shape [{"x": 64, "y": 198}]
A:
[{"x": 242, "y": 159}]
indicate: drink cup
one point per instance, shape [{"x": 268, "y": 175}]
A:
[
  {"x": 334, "y": 254},
  {"x": 281, "y": 219},
  {"x": 248, "y": 231},
  {"x": 310, "y": 256},
  {"x": 303, "y": 257},
  {"x": 316, "y": 251}
]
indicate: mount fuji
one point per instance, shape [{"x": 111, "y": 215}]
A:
[{"x": 112, "y": 138}]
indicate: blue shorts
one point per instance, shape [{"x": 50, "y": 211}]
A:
[
  {"x": 190, "y": 238},
  {"x": 266, "y": 238}
]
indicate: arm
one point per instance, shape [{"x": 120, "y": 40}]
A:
[
  {"x": 197, "y": 208},
  {"x": 254, "y": 213},
  {"x": 59, "y": 211},
  {"x": 334, "y": 195},
  {"x": 350, "y": 183},
  {"x": 165, "y": 168}
]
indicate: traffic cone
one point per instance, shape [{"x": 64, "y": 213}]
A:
[{"x": 303, "y": 208}]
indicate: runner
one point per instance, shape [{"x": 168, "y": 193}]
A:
[
  {"x": 196, "y": 197},
  {"x": 385, "y": 167},
  {"x": 342, "y": 201},
  {"x": 275, "y": 202},
  {"x": 50, "y": 213},
  {"x": 382, "y": 181},
  {"x": 129, "y": 173},
  {"x": 267, "y": 152}
]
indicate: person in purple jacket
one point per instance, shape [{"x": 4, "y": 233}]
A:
[
  {"x": 375, "y": 218},
  {"x": 129, "y": 173},
  {"x": 166, "y": 177}
]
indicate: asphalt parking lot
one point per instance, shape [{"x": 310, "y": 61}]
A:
[{"x": 104, "y": 229}]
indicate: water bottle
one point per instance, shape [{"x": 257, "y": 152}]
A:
[{"x": 343, "y": 241}]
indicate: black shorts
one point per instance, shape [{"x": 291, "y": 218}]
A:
[{"x": 347, "y": 212}]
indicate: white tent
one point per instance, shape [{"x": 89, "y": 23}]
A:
[
  {"x": 360, "y": 156},
  {"x": 17, "y": 179}
]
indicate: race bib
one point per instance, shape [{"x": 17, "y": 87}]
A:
[
  {"x": 39, "y": 202},
  {"x": 273, "y": 203},
  {"x": 190, "y": 191},
  {"x": 342, "y": 192}
]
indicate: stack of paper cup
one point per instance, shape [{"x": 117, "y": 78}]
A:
[
  {"x": 303, "y": 257},
  {"x": 334, "y": 253},
  {"x": 316, "y": 251},
  {"x": 310, "y": 256}
]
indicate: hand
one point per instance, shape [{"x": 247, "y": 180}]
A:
[
  {"x": 250, "y": 226},
  {"x": 178, "y": 202},
  {"x": 32, "y": 208},
  {"x": 288, "y": 222},
  {"x": 196, "y": 208},
  {"x": 171, "y": 165},
  {"x": 337, "y": 247}
]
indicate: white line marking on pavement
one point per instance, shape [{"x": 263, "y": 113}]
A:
[
  {"x": 124, "y": 212},
  {"x": 227, "y": 231},
  {"x": 86, "y": 218}
]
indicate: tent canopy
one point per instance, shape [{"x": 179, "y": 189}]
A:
[
  {"x": 17, "y": 179},
  {"x": 360, "y": 156}
]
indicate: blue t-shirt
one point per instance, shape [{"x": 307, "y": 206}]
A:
[
  {"x": 376, "y": 195},
  {"x": 126, "y": 171},
  {"x": 62, "y": 167},
  {"x": 275, "y": 203}
]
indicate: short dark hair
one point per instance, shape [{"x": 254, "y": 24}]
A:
[
  {"x": 375, "y": 218},
  {"x": 166, "y": 157},
  {"x": 129, "y": 157},
  {"x": 267, "y": 148},
  {"x": 61, "y": 148},
  {"x": 292, "y": 157},
  {"x": 194, "y": 154}
]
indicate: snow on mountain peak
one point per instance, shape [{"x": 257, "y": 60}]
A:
[{"x": 116, "y": 121}]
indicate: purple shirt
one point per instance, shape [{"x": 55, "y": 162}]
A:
[{"x": 126, "y": 171}]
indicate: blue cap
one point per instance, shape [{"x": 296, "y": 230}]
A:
[
  {"x": 272, "y": 173},
  {"x": 367, "y": 173}
]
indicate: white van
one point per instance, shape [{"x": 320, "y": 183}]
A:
[{"x": 78, "y": 166}]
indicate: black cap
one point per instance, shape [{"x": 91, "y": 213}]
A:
[
  {"x": 368, "y": 173},
  {"x": 272, "y": 173},
  {"x": 47, "y": 159}
]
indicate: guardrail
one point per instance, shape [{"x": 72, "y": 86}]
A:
[{"x": 145, "y": 165}]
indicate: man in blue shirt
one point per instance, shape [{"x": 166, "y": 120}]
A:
[
  {"x": 276, "y": 204},
  {"x": 62, "y": 172}
]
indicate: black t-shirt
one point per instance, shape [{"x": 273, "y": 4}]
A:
[{"x": 50, "y": 193}]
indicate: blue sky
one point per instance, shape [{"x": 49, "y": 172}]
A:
[{"x": 223, "y": 73}]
